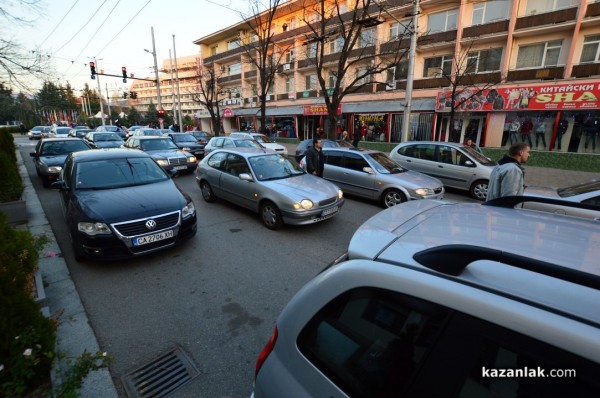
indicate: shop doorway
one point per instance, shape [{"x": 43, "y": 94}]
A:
[{"x": 473, "y": 128}]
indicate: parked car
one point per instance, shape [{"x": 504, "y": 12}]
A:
[
  {"x": 230, "y": 142},
  {"x": 587, "y": 193},
  {"x": 263, "y": 140},
  {"x": 79, "y": 133},
  {"x": 201, "y": 136},
  {"x": 456, "y": 165},
  {"x": 145, "y": 131},
  {"x": 50, "y": 154},
  {"x": 103, "y": 221},
  {"x": 325, "y": 143},
  {"x": 38, "y": 132},
  {"x": 120, "y": 131},
  {"x": 62, "y": 132},
  {"x": 439, "y": 299},
  {"x": 269, "y": 184},
  {"x": 187, "y": 142},
  {"x": 172, "y": 159},
  {"x": 103, "y": 140},
  {"x": 373, "y": 175}
]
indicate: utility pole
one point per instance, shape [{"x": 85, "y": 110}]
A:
[
  {"x": 99, "y": 94},
  {"x": 411, "y": 73},
  {"x": 174, "y": 107},
  {"x": 156, "y": 70},
  {"x": 108, "y": 103},
  {"x": 177, "y": 80}
]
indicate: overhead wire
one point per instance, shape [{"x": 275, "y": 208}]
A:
[
  {"x": 122, "y": 29},
  {"x": 83, "y": 26},
  {"x": 59, "y": 22}
]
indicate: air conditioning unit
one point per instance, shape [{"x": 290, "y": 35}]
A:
[
  {"x": 286, "y": 66},
  {"x": 390, "y": 85}
]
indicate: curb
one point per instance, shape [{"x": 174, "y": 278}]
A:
[{"x": 74, "y": 334}]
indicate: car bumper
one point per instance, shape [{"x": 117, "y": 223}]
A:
[
  {"x": 291, "y": 217},
  {"x": 180, "y": 169}
]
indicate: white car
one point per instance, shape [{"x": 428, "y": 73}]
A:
[
  {"x": 587, "y": 193},
  {"x": 264, "y": 140}
]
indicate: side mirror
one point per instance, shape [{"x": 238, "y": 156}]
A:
[
  {"x": 245, "y": 177},
  {"x": 468, "y": 163},
  {"x": 368, "y": 170}
]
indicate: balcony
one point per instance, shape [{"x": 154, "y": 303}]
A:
[
  {"x": 482, "y": 79},
  {"x": 586, "y": 70},
  {"x": 230, "y": 78},
  {"x": 548, "y": 73},
  {"x": 286, "y": 68},
  {"x": 367, "y": 88},
  {"x": 547, "y": 18},
  {"x": 362, "y": 52},
  {"x": 486, "y": 29},
  {"x": 593, "y": 10},
  {"x": 306, "y": 63},
  {"x": 250, "y": 74},
  {"x": 306, "y": 94},
  {"x": 236, "y": 52},
  {"x": 430, "y": 83},
  {"x": 393, "y": 47},
  {"x": 441, "y": 37}
]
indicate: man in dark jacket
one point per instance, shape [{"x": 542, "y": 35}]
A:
[
  {"x": 315, "y": 161},
  {"x": 507, "y": 177}
]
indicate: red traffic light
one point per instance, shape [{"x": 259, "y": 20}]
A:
[
  {"x": 93, "y": 70},
  {"x": 160, "y": 113},
  {"x": 124, "y": 71}
]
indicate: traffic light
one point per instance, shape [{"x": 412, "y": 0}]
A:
[
  {"x": 124, "y": 70},
  {"x": 134, "y": 95},
  {"x": 93, "y": 70},
  {"x": 160, "y": 113},
  {"x": 124, "y": 95}
]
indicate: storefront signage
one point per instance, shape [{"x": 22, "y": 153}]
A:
[
  {"x": 554, "y": 97},
  {"x": 315, "y": 110},
  {"x": 227, "y": 112}
]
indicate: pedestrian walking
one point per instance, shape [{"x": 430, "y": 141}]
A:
[
  {"x": 22, "y": 129},
  {"x": 315, "y": 161},
  {"x": 508, "y": 176}
]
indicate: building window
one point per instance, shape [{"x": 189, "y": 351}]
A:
[
  {"x": 289, "y": 84},
  {"x": 311, "y": 50},
  {"x": 591, "y": 49},
  {"x": 539, "y": 55},
  {"x": 367, "y": 38},
  {"x": 442, "y": 21},
  {"x": 489, "y": 11},
  {"x": 331, "y": 79},
  {"x": 233, "y": 44},
  {"x": 336, "y": 45},
  {"x": 289, "y": 56},
  {"x": 438, "y": 66},
  {"x": 235, "y": 69},
  {"x": 399, "y": 30},
  {"x": 484, "y": 61},
  {"x": 541, "y": 6},
  {"x": 366, "y": 76},
  {"x": 213, "y": 50},
  {"x": 311, "y": 82},
  {"x": 398, "y": 72}
]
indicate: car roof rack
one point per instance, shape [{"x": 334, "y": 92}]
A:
[
  {"x": 512, "y": 201},
  {"x": 453, "y": 259}
]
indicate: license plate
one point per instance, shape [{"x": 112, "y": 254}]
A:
[
  {"x": 144, "y": 240},
  {"x": 180, "y": 168},
  {"x": 327, "y": 212}
]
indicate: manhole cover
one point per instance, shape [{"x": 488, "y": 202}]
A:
[{"x": 161, "y": 376}]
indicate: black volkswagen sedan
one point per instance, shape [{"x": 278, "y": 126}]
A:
[
  {"x": 50, "y": 154},
  {"x": 119, "y": 203}
]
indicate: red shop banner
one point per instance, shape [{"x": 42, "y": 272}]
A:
[
  {"x": 550, "y": 97},
  {"x": 319, "y": 110}
]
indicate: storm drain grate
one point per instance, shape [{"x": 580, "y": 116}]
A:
[{"x": 160, "y": 377}]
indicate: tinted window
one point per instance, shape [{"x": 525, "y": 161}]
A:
[
  {"x": 333, "y": 158},
  {"x": 354, "y": 161},
  {"x": 371, "y": 342},
  {"x": 450, "y": 155}
]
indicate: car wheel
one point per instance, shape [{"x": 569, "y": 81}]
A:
[
  {"x": 479, "y": 189},
  {"x": 392, "y": 197},
  {"x": 270, "y": 216},
  {"x": 207, "y": 192}
]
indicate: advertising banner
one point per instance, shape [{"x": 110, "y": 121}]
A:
[
  {"x": 321, "y": 109},
  {"x": 549, "y": 97}
]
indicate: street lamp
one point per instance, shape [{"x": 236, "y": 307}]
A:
[{"x": 153, "y": 52}]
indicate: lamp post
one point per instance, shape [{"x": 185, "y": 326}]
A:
[
  {"x": 411, "y": 73},
  {"x": 177, "y": 81},
  {"x": 99, "y": 93},
  {"x": 153, "y": 52}
]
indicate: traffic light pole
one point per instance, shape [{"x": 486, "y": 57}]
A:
[
  {"x": 156, "y": 70},
  {"x": 108, "y": 103},
  {"x": 100, "y": 95}
]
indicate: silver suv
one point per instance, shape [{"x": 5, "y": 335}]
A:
[
  {"x": 456, "y": 165},
  {"x": 448, "y": 300}
]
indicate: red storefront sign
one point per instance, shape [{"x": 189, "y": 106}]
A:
[
  {"x": 549, "y": 97},
  {"x": 227, "y": 112},
  {"x": 316, "y": 110}
]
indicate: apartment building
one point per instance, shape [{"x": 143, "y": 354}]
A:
[{"x": 535, "y": 76}]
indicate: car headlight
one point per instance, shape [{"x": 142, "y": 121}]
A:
[
  {"x": 424, "y": 191},
  {"x": 188, "y": 210},
  {"x": 340, "y": 194},
  {"x": 54, "y": 169},
  {"x": 304, "y": 204},
  {"x": 94, "y": 228},
  {"x": 191, "y": 159},
  {"x": 162, "y": 162}
]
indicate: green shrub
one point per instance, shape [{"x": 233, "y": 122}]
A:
[
  {"x": 28, "y": 337},
  {"x": 7, "y": 144},
  {"x": 11, "y": 185}
]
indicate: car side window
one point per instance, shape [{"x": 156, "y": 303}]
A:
[
  {"x": 448, "y": 155},
  {"x": 595, "y": 201},
  {"x": 334, "y": 158},
  {"x": 236, "y": 165},
  {"x": 354, "y": 161},
  {"x": 227, "y": 143},
  {"x": 217, "y": 161},
  {"x": 425, "y": 151},
  {"x": 372, "y": 342}
]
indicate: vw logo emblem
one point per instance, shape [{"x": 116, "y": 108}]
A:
[{"x": 150, "y": 224}]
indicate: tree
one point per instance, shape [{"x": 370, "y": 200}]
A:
[
  {"x": 343, "y": 47},
  {"x": 133, "y": 117},
  {"x": 209, "y": 95}
]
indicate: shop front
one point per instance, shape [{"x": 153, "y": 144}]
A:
[{"x": 561, "y": 117}]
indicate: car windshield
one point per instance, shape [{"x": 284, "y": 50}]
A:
[
  {"x": 150, "y": 132},
  {"x": 262, "y": 138},
  {"x": 184, "y": 138},
  {"x": 56, "y": 148},
  {"x": 478, "y": 156},
  {"x": 273, "y": 167},
  {"x": 579, "y": 189},
  {"x": 118, "y": 173},
  {"x": 384, "y": 164},
  {"x": 158, "y": 145},
  {"x": 107, "y": 137},
  {"x": 247, "y": 144}
]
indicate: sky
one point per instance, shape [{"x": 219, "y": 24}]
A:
[{"x": 116, "y": 32}]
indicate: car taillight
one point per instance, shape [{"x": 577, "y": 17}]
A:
[{"x": 262, "y": 357}]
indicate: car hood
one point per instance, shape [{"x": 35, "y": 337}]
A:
[
  {"x": 54, "y": 160},
  {"x": 167, "y": 153},
  {"x": 541, "y": 191},
  {"x": 108, "y": 144},
  {"x": 412, "y": 179},
  {"x": 272, "y": 145},
  {"x": 303, "y": 187},
  {"x": 130, "y": 203}
]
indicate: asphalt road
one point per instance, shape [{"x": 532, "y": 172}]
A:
[{"x": 217, "y": 296}]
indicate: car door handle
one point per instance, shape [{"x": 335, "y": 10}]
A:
[{"x": 440, "y": 166}]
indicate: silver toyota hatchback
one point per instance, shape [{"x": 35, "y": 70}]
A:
[
  {"x": 456, "y": 165},
  {"x": 438, "y": 299}
]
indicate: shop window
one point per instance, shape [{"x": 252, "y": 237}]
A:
[
  {"x": 399, "y": 30},
  {"x": 484, "y": 61},
  {"x": 490, "y": 11},
  {"x": 591, "y": 49},
  {"x": 442, "y": 21},
  {"x": 438, "y": 66},
  {"x": 541, "y": 6},
  {"x": 539, "y": 55}
]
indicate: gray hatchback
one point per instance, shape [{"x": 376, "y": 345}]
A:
[{"x": 456, "y": 165}]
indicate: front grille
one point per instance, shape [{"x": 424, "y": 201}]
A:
[
  {"x": 327, "y": 201},
  {"x": 138, "y": 227},
  {"x": 178, "y": 161}
]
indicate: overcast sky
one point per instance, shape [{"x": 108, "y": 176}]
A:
[{"x": 116, "y": 32}]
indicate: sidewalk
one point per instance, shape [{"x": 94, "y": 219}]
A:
[{"x": 74, "y": 332}]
